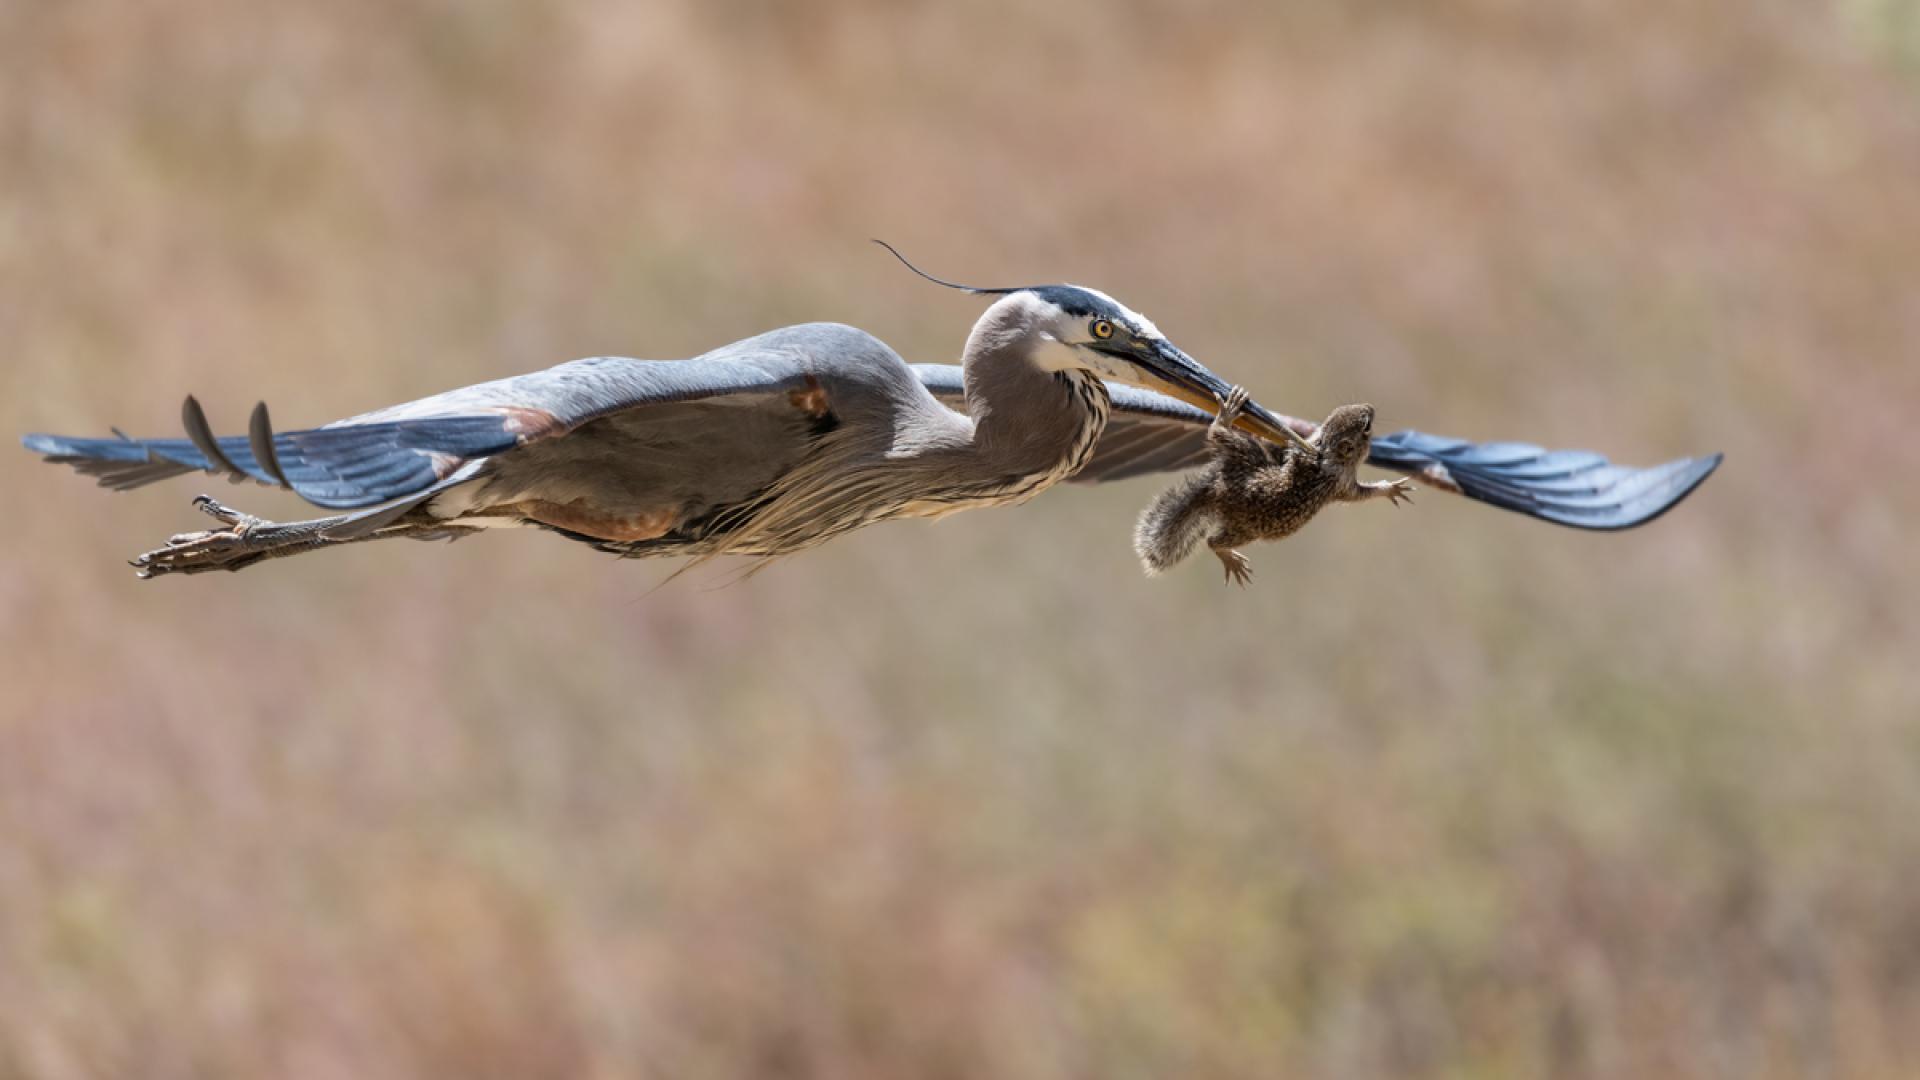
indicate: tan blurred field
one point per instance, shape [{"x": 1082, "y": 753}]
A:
[{"x": 1449, "y": 793}]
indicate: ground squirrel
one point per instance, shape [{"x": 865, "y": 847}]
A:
[{"x": 1254, "y": 490}]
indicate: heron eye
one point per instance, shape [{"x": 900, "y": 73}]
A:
[{"x": 1102, "y": 329}]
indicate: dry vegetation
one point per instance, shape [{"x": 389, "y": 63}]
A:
[{"x": 1449, "y": 794}]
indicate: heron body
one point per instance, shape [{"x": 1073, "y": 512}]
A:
[
  {"x": 781, "y": 442},
  {"x": 861, "y": 441}
]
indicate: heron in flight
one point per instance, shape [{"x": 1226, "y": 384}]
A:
[{"x": 781, "y": 442}]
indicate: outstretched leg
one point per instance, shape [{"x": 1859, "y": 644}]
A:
[
  {"x": 1237, "y": 453},
  {"x": 1230, "y": 410},
  {"x": 1238, "y": 567},
  {"x": 246, "y": 540},
  {"x": 1394, "y": 491}
]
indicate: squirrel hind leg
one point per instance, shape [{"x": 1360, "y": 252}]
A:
[{"x": 1239, "y": 569}]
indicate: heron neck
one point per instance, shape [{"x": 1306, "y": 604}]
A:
[{"x": 1029, "y": 421}]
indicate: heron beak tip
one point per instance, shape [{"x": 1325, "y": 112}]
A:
[
  {"x": 1272, "y": 429},
  {"x": 1178, "y": 376}
]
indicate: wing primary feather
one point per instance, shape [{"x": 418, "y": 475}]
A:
[
  {"x": 200, "y": 433},
  {"x": 260, "y": 436}
]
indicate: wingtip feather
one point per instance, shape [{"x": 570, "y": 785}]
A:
[{"x": 260, "y": 440}]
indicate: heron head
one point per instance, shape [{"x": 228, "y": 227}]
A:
[{"x": 1074, "y": 328}]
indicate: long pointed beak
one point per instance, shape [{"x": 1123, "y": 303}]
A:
[{"x": 1178, "y": 375}]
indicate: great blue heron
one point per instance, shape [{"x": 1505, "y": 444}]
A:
[{"x": 778, "y": 443}]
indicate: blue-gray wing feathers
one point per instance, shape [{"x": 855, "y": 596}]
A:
[
  {"x": 406, "y": 449},
  {"x": 1569, "y": 487},
  {"x": 341, "y": 468}
]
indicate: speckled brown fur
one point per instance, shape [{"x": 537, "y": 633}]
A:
[{"x": 1254, "y": 490}]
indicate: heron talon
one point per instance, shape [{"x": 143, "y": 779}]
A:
[
  {"x": 226, "y": 515},
  {"x": 215, "y": 549}
]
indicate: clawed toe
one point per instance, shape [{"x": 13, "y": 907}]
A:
[
  {"x": 1236, "y": 401},
  {"x": 183, "y": 552},
  {"x": 1237, "y": 567},
  {"x": 226, "y": 515},
  {"x": 193, "y": 552}
]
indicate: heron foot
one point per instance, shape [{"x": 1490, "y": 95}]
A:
[
  {"x": 242, "y": 542},
  {"x": 1239, "y": 569}
]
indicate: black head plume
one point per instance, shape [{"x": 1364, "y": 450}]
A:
[
  {"x": 1071, "y": 299},
  {"x": 975, "y": 289}
]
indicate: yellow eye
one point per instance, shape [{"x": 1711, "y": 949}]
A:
[{"x": 1102, "y": 329}]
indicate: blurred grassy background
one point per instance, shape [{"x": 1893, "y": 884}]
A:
[{"x": 1449, "y": 793}]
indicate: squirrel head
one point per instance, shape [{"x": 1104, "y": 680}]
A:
[{"x": 1346, "y": 436}]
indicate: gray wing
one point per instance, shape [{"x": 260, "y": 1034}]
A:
[
  {"x": 409, "y": 450},
  {"x": 1151, "y": 433},
  {"x": 1569, "y": 487}
]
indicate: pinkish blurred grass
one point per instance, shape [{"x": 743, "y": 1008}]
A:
[{"x": 1449, "y": 793}]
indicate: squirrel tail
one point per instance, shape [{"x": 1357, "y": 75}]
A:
[{"x": 1173, "y": 523}]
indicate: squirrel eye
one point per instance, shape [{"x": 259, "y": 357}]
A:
[{"x": 1102, "y": 329}]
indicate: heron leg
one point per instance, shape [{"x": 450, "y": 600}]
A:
[
  {"x": 1239, "y": 569},
  {"x": 245, "y": 540}
]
